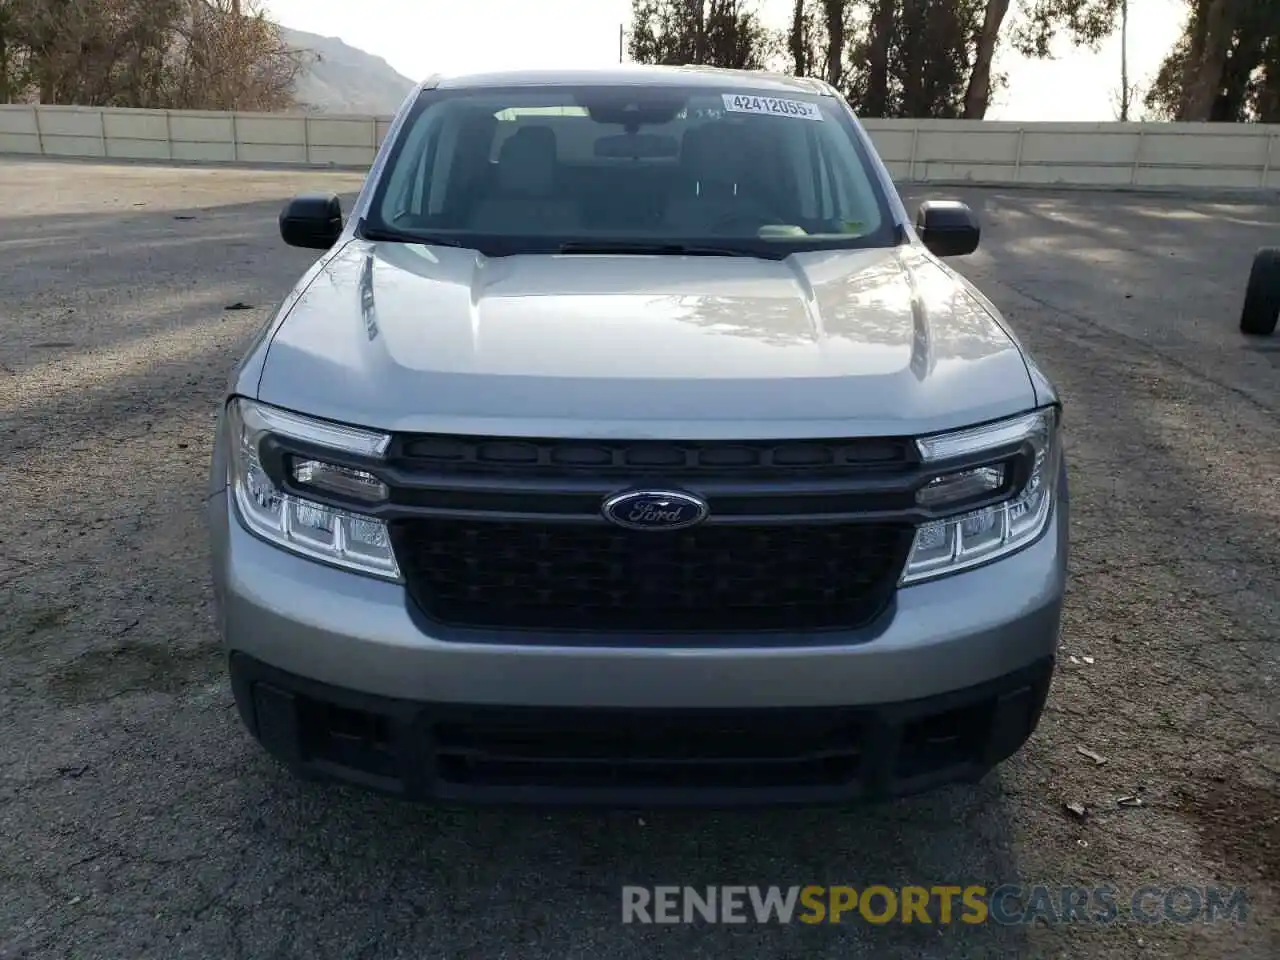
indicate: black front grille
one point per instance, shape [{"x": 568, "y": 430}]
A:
[
  {"x": 634, "y": 459},
  {"x": 593, "y": 576}
]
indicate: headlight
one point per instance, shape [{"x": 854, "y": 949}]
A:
[
  {"x": 979, "y": 536},
  {"x": 340, "y": 537}
]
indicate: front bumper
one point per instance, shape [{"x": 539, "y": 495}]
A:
[
  {"x": 648, "y": 757},
  {"x": 337, "y": 674}
]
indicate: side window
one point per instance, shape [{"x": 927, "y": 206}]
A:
[
  {"x": 852, "y": 198},
  {"x": 404, "y": 190},
  {"x": 839, "y": 185},
  {"x": 825, "y": 177},
  {"x": 801, "y": 159},
  {"x": 437, "y": 183}
]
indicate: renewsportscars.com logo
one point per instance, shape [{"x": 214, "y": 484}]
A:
[{"x": 941, "y": 904}]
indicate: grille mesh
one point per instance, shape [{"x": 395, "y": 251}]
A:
[{"x": 598, "y": 577}]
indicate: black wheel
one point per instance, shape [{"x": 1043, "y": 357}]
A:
[{"x": 1262, "y": 296}]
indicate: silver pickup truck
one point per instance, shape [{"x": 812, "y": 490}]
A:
[{"x": 629, "y": 444}]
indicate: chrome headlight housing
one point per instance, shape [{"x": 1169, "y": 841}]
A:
[
  {"x": 979, "y": 536},
  {"x": 343, "y": 538}
]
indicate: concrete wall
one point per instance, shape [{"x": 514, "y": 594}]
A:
[
  {"x": 190, "y": 135},
  {"x": 1085, "y": 154},
  {"x": 1089, "y": 154}
]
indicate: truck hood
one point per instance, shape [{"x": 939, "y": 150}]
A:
[{"x": 407, "y": 337}]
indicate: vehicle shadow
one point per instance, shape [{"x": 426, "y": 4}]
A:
[
  {"x": 549, "y": 882},
  {"x": 77, "y": 284}
]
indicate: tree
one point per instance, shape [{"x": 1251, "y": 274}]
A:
[
  {"x": 946, "y": 51},
  {"x": 1126, "y": 89},
  {"x": 1086, "y": 23},
  {"x": 233, "y": 61},
  {"x": 911, "y": 58},
  {"x": 1225, "y": 67},
  {"x": 1032, "y": 32},
  {"x": 835, "y": 15},
  {"x": 14, "y": 75},
  {"x": 1210, "y": 49},
  {"x": 873, "y": 57},
  {"x": 977, "y": 95},
  {"x": 818, "y": 38},
  {"x": 932, "y": 60},
  {"x": 802, "y": 39},
  {"x": 1266, "y": 100},
  {"x": 194, "y": 54},
  {"x": 720, "y": 33}
]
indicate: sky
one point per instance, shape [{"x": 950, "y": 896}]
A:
[{"x": 422, "y": 37}]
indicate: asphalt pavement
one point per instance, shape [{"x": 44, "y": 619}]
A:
[{"x": 137, "y": 820}]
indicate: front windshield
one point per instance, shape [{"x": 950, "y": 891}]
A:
[{"x": 563, "y": 167}]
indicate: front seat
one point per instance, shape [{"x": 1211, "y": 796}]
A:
[
  {"x": 719, "y": 183},
  {"x": 525, "y": 200}
]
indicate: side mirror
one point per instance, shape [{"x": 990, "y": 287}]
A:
[
  {"x": 313, "y": 221},
  {"x": 948, "y": 228}
]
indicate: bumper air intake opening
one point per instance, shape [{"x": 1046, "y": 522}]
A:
[
  {"x": 942, "y": 740},
  {"x": 354, "y": 739},
  {"x": 587, "y": 750}
]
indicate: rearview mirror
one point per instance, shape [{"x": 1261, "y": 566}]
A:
[
  {"x": 637, "y": 146},
  {"x": 313, "y": 221},
  {"x": 948, "y": 228}
]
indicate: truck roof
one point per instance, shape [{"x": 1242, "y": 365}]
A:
[{"x": 639, "y": 75}]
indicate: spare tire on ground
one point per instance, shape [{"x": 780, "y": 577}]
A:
[{"x": 1262, "y": 296}]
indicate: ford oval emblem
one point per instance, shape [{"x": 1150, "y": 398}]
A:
[{"x": 655, "y": 510}]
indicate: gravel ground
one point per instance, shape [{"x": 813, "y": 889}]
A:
[{"x": 139, "y": 821}]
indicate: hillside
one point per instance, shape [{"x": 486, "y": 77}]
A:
[{"x": 342, "y": 79}]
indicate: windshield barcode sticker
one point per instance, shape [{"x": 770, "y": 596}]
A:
[{"x": 741, "y": 103}]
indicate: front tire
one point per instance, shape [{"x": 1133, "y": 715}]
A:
[{"x": 1262, "y": 296}]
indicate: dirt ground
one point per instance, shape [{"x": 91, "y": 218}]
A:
[{"x": 137, "y": 820}]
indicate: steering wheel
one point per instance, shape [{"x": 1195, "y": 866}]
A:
[{"x": 751, "y": 222}]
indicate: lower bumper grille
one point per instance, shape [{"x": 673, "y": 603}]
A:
[
  {"x": 610, "y": 749},
  {"x": 592, "y": 576}
]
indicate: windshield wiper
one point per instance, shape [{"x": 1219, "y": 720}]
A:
[
  {"x": 489, "y": 247},
  {"x": 399, "y": 236},
  {"x": 662, "y": 249}
]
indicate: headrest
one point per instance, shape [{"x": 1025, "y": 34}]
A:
[
  {"x": 527, "y": 160},
  {"x": 717, "y": 153}
]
